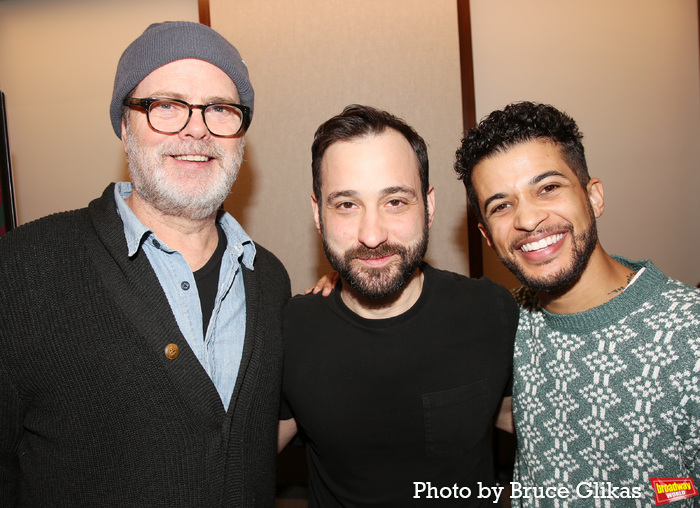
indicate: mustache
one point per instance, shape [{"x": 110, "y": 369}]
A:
[
  {"x": 207, "y": 148},
  {"x": 363, "y": 252},
  {"x": 549, "y": 229}
]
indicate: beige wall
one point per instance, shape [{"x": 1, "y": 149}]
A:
[
  {"x": 626, "y": 70},
  {"x": 57, "y": 64},
  {"x": 308, "y": 59}
]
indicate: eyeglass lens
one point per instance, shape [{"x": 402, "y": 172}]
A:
[{"x": 171, "y": 116}]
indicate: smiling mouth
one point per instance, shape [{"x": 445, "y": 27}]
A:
[
  {"x": 542, "y": 244},
  {"x": 376, "y": 259},
  {"x": 192, "y": 158}
]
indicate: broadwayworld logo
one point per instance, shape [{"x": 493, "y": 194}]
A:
[{"x": 667, "y": 490}]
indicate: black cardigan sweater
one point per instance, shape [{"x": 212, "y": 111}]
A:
[{"x": 92, "y": 411}]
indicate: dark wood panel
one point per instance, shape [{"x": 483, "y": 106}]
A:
[
  {"x": 204, "y": 17},
  {"x": 476, "y": 255}
]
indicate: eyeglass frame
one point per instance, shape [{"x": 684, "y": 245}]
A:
[{"x": 146, "y": 103}]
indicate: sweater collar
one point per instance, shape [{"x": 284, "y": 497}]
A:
[{"x": 612, "y": 311}]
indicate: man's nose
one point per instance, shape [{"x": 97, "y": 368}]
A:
[
  {"x": 372, "y": 231},
  {"x": 528, "y": 215},
  {"x": 195, "y": 128}
]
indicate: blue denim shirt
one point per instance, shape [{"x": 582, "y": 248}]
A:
[{"x": 221, "y": 349}]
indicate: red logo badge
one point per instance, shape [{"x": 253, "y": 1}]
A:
[{"x": 667, "y": 490}]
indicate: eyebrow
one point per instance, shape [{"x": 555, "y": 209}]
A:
[
  {"x": 533, "y": 181},
  {"x": 340, "y": 194},
  {"x": 208, "y": 100},
  {"x": 219, "y": 98},
  {"x": 500, "y": 195},
  {"x": 397, "y": 189},
  {"x": 537, "y": 179}
]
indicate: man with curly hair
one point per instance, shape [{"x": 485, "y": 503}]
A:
[{"x": 607, "y": 354}]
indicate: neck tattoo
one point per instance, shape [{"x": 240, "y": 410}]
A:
[{"x": 630, "y": 276}]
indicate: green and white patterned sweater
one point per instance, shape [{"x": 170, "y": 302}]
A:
[{"x": 606, "y": 399}]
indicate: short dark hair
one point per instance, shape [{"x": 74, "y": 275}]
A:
[
  {"x": 517, "y": 123},
  {"x": 358, "y": 121}
]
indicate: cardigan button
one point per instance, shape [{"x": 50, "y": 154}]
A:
[{"x": 171, "y": 351}]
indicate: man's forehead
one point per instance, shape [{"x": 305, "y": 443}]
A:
[
  {"x": 528, "y": 157},
  {"x": 189, "y": 73},
  {"x": 385, "y": 153}
]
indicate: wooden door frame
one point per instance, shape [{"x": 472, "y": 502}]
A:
[
  {"x": 205, "y": 18},
  {"x": 475, "y": 255}
]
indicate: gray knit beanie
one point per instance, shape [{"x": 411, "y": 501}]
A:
[{"x": 162, "y": 43}]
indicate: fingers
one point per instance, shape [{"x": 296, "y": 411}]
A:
[
  {"x": 314, "y": 288},
  {"x": 324, "y": 285}
]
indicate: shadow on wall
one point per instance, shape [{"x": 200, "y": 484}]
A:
[{"x": 239, "y": 201}]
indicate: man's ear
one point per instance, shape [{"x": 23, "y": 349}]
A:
[
  {"x": 485, "y": 233},
  {"x": 430, "y": 197},
  {"x": 596, "y": 196},
  {"x": 314, "y": 207},
  {"x": 123, "y": 134}
]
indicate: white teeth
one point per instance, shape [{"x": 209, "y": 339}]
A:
[
  {"x": 192, "y": 158},
  {"x": 545, "y": 242}
]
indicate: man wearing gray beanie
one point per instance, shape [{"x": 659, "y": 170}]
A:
[{"x": 140, "y": 336}]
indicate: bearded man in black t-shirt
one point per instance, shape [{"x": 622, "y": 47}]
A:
[{"x": 394, "y": 381}]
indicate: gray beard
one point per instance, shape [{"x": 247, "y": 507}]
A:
[{"x": 154, "y": 185}]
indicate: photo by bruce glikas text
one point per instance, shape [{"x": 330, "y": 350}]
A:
[{"x": 584, "y": 490}]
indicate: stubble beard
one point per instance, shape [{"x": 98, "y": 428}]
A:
[
  {"x": 172, "y": 196},
  {"x": 381, "y": 282},
  {"x": 583, "y": 246}
]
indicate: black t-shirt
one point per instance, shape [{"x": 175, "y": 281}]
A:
[
  {"x": 387, "y": 407},
  {"x": 207, "y": 279}
]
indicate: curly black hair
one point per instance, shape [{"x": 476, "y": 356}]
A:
[{"x": 517, "y": 123}]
